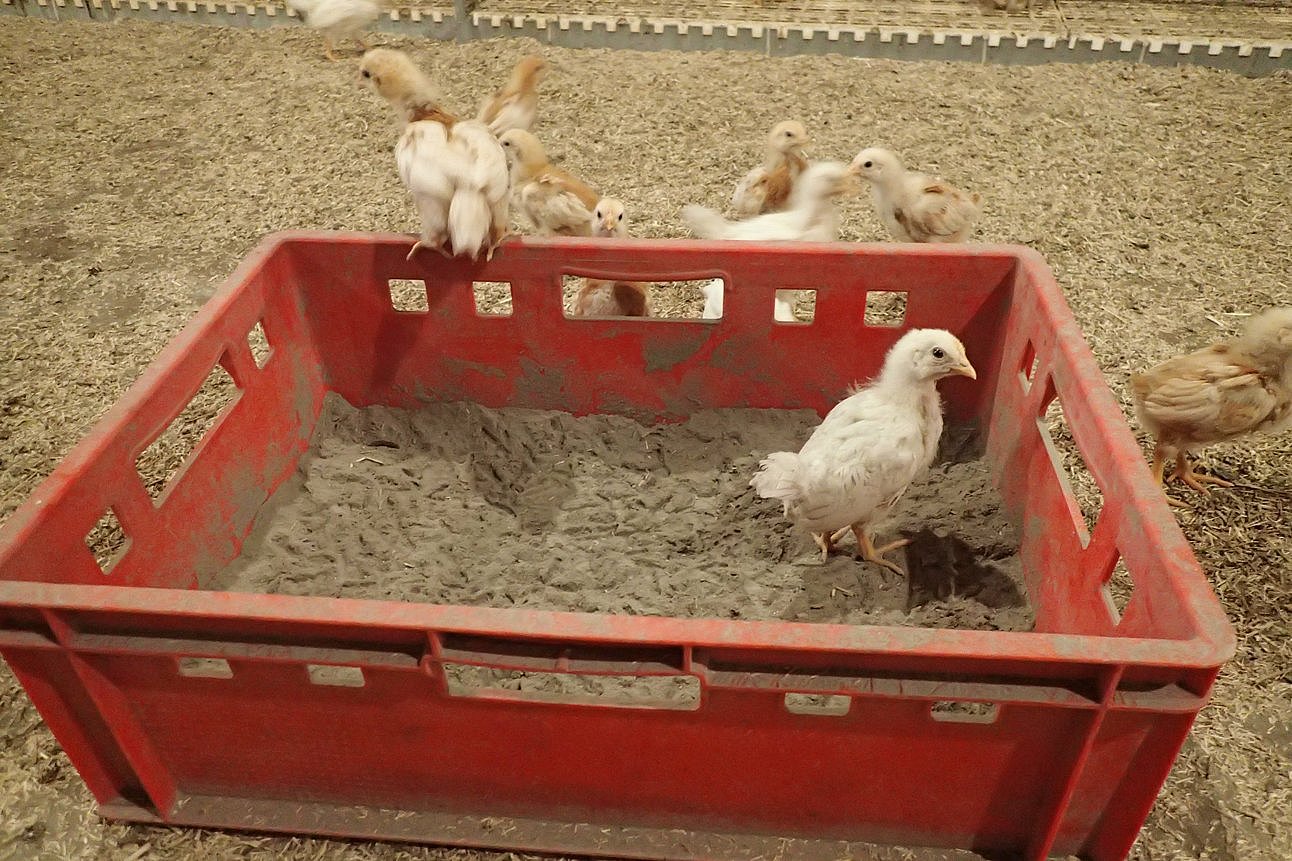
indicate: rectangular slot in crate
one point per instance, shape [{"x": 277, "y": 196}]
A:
[{"x": 1051, "y": 741}]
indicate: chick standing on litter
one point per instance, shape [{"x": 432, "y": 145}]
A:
[
  {"x": 338, "y": 20},
  {"x": 812, "y": 217},
  {"x": 1219, "y": 393},
  {"x": 554, "y": 201},
  {"x": 915, "y": 207},
  {"x": 516, "y": 104},
  {"x": 767, "y": 187},
  {"x": 861, "y": 458},
  {"x": 597, "y": 298},
  {"x": 455, "y": 170}
]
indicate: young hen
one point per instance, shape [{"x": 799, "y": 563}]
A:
[
  {"x": 861, "y": 458},
  {"x": 767, "y": 187},
  {"x": 598, "y": 298},
  {"x": 455, "y": 170},
  {"x": 554, "y": 201},
  {"x": 516, "y": 104},
  {"x": 1219, "y": 393},
  {"x": 915, "y": 207}
]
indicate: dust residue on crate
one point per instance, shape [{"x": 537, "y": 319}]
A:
[{"x": 460, "y": 504}]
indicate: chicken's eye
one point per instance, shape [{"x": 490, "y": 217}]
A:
[
  {"x": 938, "y": 353},
  {"x": 621, "y": 216},
  {"x": 869, "y": 164},
  {"x": 367, "y": 74}
]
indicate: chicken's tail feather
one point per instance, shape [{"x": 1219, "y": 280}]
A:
[
  {"x": 704, "y": 222},
  {"x": 469, "y": 219},
  {"x": 776, "y": 476}
]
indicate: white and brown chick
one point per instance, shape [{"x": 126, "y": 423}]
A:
[
  {"x": 515, "y": 105},
  {"x": 869, "y": 448},
  {"x": 1223, "y": 392},
  {"x": 554, "y": 201},
  {"x": 455, "y": 169},
  {"x": 915, "y": 207},
  {"x": 337, "y": 20},
  {"x": 812, "y": 215},
  {"x": 767, "y": 187},
  {"x": 598, "y": 298}
]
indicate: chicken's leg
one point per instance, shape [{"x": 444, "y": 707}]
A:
[
  {"x": 1184, "y": 472},
  {"x": 327, "y": 49},
  {"x": 868, "y": 552},
  {"x": 438, "y": 245},
  {"x": 825, "y": 541},
  {"x": 495, "y": 242}
]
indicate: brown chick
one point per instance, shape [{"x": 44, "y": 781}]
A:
[
  {"x": 516, "y": 104},
  {"x": 767, "y": 187},
  {"x": 597, "y": 298},
  {"x": 554, "y": 201},
  {"x": 1223, "y": 392}
]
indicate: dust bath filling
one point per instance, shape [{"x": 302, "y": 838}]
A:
[{"x": 459, "y": 504}]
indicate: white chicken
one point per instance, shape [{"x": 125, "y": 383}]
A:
[
  {"x": 861, "y": 458},
  {"x": 338, "y": 20},
  {"x": 812, "y": 217},
  {"x": 455, "y": 170},
  {"x": 767, "y": 187},
  {"x": 915, "y": 207}
]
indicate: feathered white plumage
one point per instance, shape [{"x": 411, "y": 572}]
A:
[
  {"x": 915, "y": 207},
  {"x": 336, "y": 19},
  {"x": 455, "y": 170},
  {"x": 868, "y": 449},
  {"x": 783, "y": 310}
]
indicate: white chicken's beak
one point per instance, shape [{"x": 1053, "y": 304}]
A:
[
  {"x": 608, "y": 229},
  {"x": 965, "y": 370}
]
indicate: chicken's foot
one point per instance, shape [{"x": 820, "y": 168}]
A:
[
  {"x": 868, "y": 552},
  {"x": 493, "y": 245},
  {"x": 328, "y": 48},
  {"x": 426, "y": 243},
  {"x": 1196, "y": 480},
  {"x": 825, "y": 541}
]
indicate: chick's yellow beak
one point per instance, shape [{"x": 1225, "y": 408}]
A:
[{"x": 965, "y": 369}]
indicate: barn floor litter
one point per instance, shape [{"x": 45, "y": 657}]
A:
[
  {"x": 459, "y": 504},
  {"x": 143, "y": 161}
]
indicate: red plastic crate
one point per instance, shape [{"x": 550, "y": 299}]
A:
[{"x": 1090, "y": 709}]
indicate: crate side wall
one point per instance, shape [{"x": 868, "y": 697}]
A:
[{"x": 650, "y": 369}]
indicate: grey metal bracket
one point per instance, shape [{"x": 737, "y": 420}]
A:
[{"x": 462, "y": 23}]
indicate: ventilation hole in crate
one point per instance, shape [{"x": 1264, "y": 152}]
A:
[
  {"x": 492, "y": 298},
  {"x": 160, "y": 463},
  {"x": 885, "y": 308},
  {"x": 658, "y": 692},
  {"x": 1027, "y": 371},
  {"x": 1085, "y": 499},
  {"x": 818, "y": 704},
  {"x": 407, "y": 296},
  {"x": 205, "y": 668},
  {"x": 1117, "y": 591},
  {"x": 259, "y": 345},
  {"x": 794, "y": 306},
  {"x": 107, "y": 541},
  {"x": 337, "y": 677},
  {"x": 964, "y": 711}
]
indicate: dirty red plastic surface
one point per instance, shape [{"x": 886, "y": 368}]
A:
[{"x": 1090, "y": 709}]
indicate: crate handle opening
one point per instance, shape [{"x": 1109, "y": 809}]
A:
[
  {"x": 886, "y": 309},
  {"x": 826, "y": 705},
  {"x": 161, "y": 464},
  {"x": 108, "y": 541},
  {"x": 258, "y": 343},
  {"x": 1081, "y": 490},
  {"x": 492, "y": 298},
  {"x": 675, "y": 693},
  {"x": 205, "y": 668},
  {"x": 964, "y": 711},
  {"x": 335, "y": 675}
]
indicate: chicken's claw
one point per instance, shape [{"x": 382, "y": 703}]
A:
[
  {"x": 825, "y": 541},
  {"x": 1196, "y": 480},
  {"x": 867, "y": 552}
]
